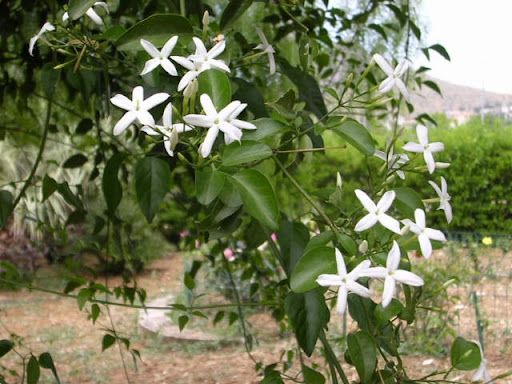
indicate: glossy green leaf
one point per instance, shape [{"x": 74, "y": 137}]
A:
[
  {"x": 363, "y": 354},
  {"x": 311, "y": 376},
  {"x": 293, "y": 237},
  {"x": 209, "y": 183},
  {"x": 182, "y": 322},
  {"x": 258, "y": 197},
  {"x": 382, "y": 315},
  {"x": 6, "y": 201},
  {"x": 112, "y": 188},
  {"x": 320, "y": 240},
  {"x": 249, "y": 94},
  {"x": 233, "y": 11},
  {"x": 354, "y": 133},
  {"x": 49, "y": 186},
  {"x": 308, "y": 314},
  {"x": 107, "y": 341},
  {"x": 156, "y": 28},
  {"x": 33, "y": 370},
  {"x": 265, "y": 127},
  {"x": 245, "y": 152},
  {"x": 84, "y": 126},
  {"x": 407, "y": 201},
  {"x": 441, "y": 50},
  {"x": 309, "y": 91},
  {"x": 465, "y": 355},
  {"x": 312, "y": 264},
  {"x": 77, "y": 8},
  {"x": 152, "y": 182},
  {"x": 5, "y": 347},
  {"x": 46, "y": 361},
  {"x": 215, "y": 84}
]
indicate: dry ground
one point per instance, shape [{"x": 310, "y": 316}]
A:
[{"x": 54, "y": 324}]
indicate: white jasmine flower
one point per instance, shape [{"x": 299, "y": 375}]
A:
[
  {"x": 217, "y": 121},
  {"x": 240, "y": 124},
  {"x": 424, "y": 234},
  {"x": 159, "y": 57},
  {"x": 345, "y": 281},
  {"x": 444, "y": 198},
  {"x": 268, "y": 49},
  {"x": 425, "y": 147},
  {"x": 392, "y": 275},
  {"x": 200, "y": 61},
  {"x": 47, "y": 27},
  {"x": 168, "y": 130},
  {"x": 91, "y": 13},
  {"x": 394, "y": 76},
  {"x": 377, "y": 213},
  {"x": 137, "y": 108},
  {"x": 393, "y": 161}
]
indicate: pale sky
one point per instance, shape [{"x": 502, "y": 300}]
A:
[{"x": 478, "y": 37}]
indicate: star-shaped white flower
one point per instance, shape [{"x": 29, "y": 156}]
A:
[
  {"x": 240, "y": 124},
  {"x": 200, "y": 61},
  {"x": 394, "y": 76},
  {"x": 47, "y": 27},
  {"x": 159, "y": 57},
  {"x": 268, "y": 49},
  {"x": 168, "y": 130},
  {"x": 425, "y": 147},
  {"x": 137, "y": 108},
  {"x": 394, "y": 161},
  {"x": 91, "y": 13},
  {"x": 392, "y": 275},
  {"x": 423, "y": 233},
  {"x": 444, "y": 198},
  {"x": 377, "y": 213},
  {"x": 345, "y": 281},
  {"x": 217, "y": 121}
]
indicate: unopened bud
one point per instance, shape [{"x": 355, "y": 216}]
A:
[
  {"x": 363, "y": 247},
  {"x": 206, "y": 19},
  {"x": 339, "y": 181},
  {"x": 441, "y": 165},
  {"x": 190, "y": 89}
]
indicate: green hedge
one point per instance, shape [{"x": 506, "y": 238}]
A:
[{"x": 479, "y": 178}]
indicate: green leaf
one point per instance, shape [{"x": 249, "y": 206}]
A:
[
  {"x": 33, "y": 370},
  {"x": 72, "y": 199},
  {"x": 95, "y": 312},
  {"x": 245, "y": 152},
  {"x": 293, "y": 237},
  {"x": 75, "y": 161},
  {"x": 46, "y": 361},
  {"x": 233, "y": 11},
  {"x": 265, "y": 127},
  {"x": 156, "y": 28},
  {"x": 361, "y": 310},
  {"x": 5, "y": 347},
  {"x": 354, "y": 133},
  {"x": 320, "y": 240},
  {"x": 84, "y": 126},
  {"x": 49, "y": 186},
  {"x": 407, "y": 201},
  {"x": 83, "y": 297},
  {"x": 309, "y": 91},
  {"x": 465, "y": 355},
  {"x": 383, "y": 315},
  {"x": 248, "y": 93},
  {"x": 433, "y": 86},
  {"x": 209, "y": 183},
  {"x": 6, "y": 200},
  {"x": 363, "y": 354},
  {"x": 152, "y": 182},
  {"x": 311, "y": 376},
  {"x": 441, "y": 50},
  {"x": 112, "y": 188},
  {"x": 77, "y": 8},
  {"x": 312, "y": 264},
  {"x": 215, "y": 84},
  {"x": 182, "y": 321},
  {"x": 107, "y": 342},
  {"x": 258, "y": 197},
  {"x": 308, "y": 315}
]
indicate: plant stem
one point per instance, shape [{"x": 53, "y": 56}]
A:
[
  {"x": 309, "y": 149},
  {"x": 331, "y": 357},
  {"x": 306, "y": 196},
  {"x": 183, "y": 10},
  {"x": 38, "y": 158}
]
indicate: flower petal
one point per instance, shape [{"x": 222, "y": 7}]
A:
[
  {"x": 149, "y": 66},
  {"x": 429, "y": 160},
  {"x": 169, "y": 67},
  {"x": 436, "y": 188},
  {"x": 328, "y": 280},
  {"x": 340, "y": 263},
  {"x": 229, "y": 109},
  {"x": 385, "y": 201},
  {"x": 365, "y": 200},
  {"x": 169, "y": 46},
  {"x": 200, "y": 48},
  {"x": 356, "y": 272},
  {"x": 386, "y": 85},
  {"x": 419, "y": 216},
  {"x": 383, "y": 64},
  {"x": 408, "y": 278},
  {"x": 217, "y": 49},
  {"x": 389, "y": 291},
  {"x": 219, "y": 64},
  {"x": 425, "y": 245},
  {"x": 206, "y": 147},
  {"x": 231, "y": 130},
  {"x": 436, "y": 147},
  {"x": 122, "y": 101},
  {"x": 145, "y": 118},
  {"x": 271, "y": 62},
  {"x": 154, "y": 100},
  {"x": 375, "y": 272},
  {"x": 125, "y": 121},
  {"x": 137, "y": 94},
  {"x": 393, "y": 260},
  {"x": 366, "y": 222},
  {"x": 149, "y": 131},
  {"x": 389, "y": 223},
  {"x": 413, "y": 147},
  {"x": 186, "y": 79},
  {"x": 448, "y": 212},
  {"x": 242, "y": 124},
  {"x": 341, "y": 301},
  {"x": 167, "y": 116},
  {"x": 400, "y": 85},
  {"x": 168, "y": 147},
  {"x": 422, "y": 133},
  {"x": 401, "y": 68},
  {"x": 180, "y": 128},
  {"x": 184, "y": 62},
  {"x": 358, "y": 289},
  {"x": 435, "y": 234},
  {"x": 94, "y": 16},
  {"x": 207, "y": 104},
  {"x": 198, "y": 120}
]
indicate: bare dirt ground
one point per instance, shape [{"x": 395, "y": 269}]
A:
[{"x": 51, "y": 323}]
